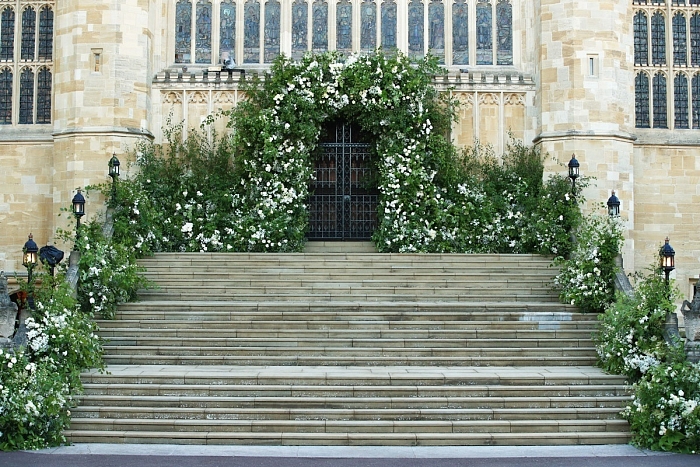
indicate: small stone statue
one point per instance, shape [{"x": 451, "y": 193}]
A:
[
  {"x": 691, "y": 315},
  {"x": 8, "y": 310}
]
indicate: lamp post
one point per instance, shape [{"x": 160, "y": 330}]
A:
[
  {"x": 114, "y": 173},
  {"x": 668, "y": 263},
  {"x": 613, "y": 205},
  {"x": 78, "y": 211},
  {"x": 29, "y": 260},
  {"x": 573, "y": 173}
]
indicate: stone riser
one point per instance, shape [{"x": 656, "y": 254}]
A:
[{"x": 339, "y": 297}]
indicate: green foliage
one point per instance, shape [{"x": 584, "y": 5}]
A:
[
  {"x": 37, "y": 384},
  {"x": 587, "y": 276}
]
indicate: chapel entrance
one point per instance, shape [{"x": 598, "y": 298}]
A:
[{"x": 344, "y": 195}]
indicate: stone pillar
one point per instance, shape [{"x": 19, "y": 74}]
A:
[
  {"x": 586, "y": 96},
  {"x": 102, "y": 80}
]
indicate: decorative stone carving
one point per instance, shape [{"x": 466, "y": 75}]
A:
[
  {"x": 8, "y": 310},
  {"x": 691, "y": 316}
]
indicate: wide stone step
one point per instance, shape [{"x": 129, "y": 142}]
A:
[{"x": 350, "y": 439}]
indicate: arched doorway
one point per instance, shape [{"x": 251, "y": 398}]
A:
[{"x": 344, "y": 195}]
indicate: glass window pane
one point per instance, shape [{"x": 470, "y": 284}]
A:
[
  {"x": 203, "y": 40},
  {"x": 679, "y": 40},
  {"x": 7, "y": 34},
  {"x": 344, "y": 26},
  {"x": 504, "y": 21},
  {"x": 460, "y": 33},
  {"x": 389, "y": 24},
  {"x": 272, "y": 30},
  {"x": 26, "y": 96},
  {"x": 251, "y": 32},
  {"x": 680, "y": 99},
  {"x": 6, "y": 97},
  {"x": 696, "y": 101},
  {"x": 183, "y": 31},
  {"x": 641, "y": 100},
  {"x": 28, "y": 33},
  {"x": 227, "y": 31},
  {"x": 436, "y": 31},
  {"x": 660, "y": 103},
  {"x": 368, "y": 26},
  {"x": 415, "y": 29},
  {"x": 484, "y": 34},
  {"x": 641, "y": 39},
  {"x": 695, "y": 39},
  {"x": 46, "y": 34},
  {"x": 300, "y": 30},
  {"x": 43, "y": 97},
  {"x": 320, "y": 25},
  {"x": 658, "y": 39}
]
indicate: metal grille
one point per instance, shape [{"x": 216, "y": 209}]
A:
[{"x": 343, "y": 201}]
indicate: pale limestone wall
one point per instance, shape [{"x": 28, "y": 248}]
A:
[{"x": 667, "y": 198}]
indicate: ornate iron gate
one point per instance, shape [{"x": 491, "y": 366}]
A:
[{"x": 343, "y": 201}]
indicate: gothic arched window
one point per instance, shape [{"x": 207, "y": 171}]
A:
[
  {"x": 641, "y": 39},
  {"x": 43, "y": 96},
  {"x": 343, "y": 22},
  {"x": 504, "y": 22},
  {"x": 658, "y": 39},
  {"x": 695, "y": 40},
  {"x": 641, "y": 100},
  {"x": 415, "y": 29},
  {"x": 680, "y": 98},
  {"x": 389, "y": 24},
  {"x": 300, "y": 30},
  {"x": 6, "y": 97},
  {"x": 695, "y": 88},
  {"x": 46, "y": 33},
  {"x": 272, "y": 30},
  {"x": 26, "y": 96},
  {"x": 680, "y": 48},
  {"x": 251, "y": 32},
  {"x": 227, "y": 30},
  {"x": 460, "y": 33},
  {"x": 436, "y": 29},
  {"x": 183, "y": 31},
  {"x": 202, "y": 52},
  {"x": 7, "y": 34},
  {"x": 659, "y": 101},
  {"x": 368, "y": 25},
  {"x": 484, "y": 33},
  {"x": 28, "y": 33},
  {"x": 320, "y": 26}
]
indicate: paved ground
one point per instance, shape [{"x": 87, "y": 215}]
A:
[{"x": 113, "y": 455}]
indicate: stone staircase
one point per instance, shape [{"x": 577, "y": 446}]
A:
[{"x": 338, "y": 348}]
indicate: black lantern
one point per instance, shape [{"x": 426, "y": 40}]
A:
[
  {"x": 78, "y": 211},
  {"x": 666, "y": 256},
  {"x": 29, "y": 260},
  {"x": 573, "y": 172},
  {"x": 613, "y": 205},
  {"x": 114, "y": 173}
]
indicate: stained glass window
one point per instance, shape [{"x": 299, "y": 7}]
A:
[
  {"x": 183, "y": 31},
  {"x": 641, "y": 100},
  {"x": 251, "y": 32},
  {"x": 202, "y": 51},
  {"x": 460, "y": 33},
  {"x": 344, "y": 26},
  {"x": 415, "y": 29},
  {"x": 272, "y": 30},
  {"x": 679, "y": 40},
  {"x": 26, "y": 96},
  {"x": 695, "y": 39},
  {"x": 320, "y": 26},
  {"x": 43, "y": 96},
  {"x": 300, "y": 30},
  {"x": 436, "y": 29},
  {"x": 680, "y": 99},
  {"x": 659, "y": 101},
  {"x": 658, "y": 39},
  {"x": 484, "y": 34},
  {"x": 7, "y": 34},
  {"x": 641, "y": 39},
  {"x": 28, "y": 33},
  {"x": 389, "y": 24},
  {"x": 368, "y": 25},
  {"x": 46, "y": 33},
  {"x": 227, "y": 30},
  {"x": 504, "y": 22},
  {"x": 696, "y": 101},
  {"x": 6, "y": 97}
]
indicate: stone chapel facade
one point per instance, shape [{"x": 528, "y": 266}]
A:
[{"x": 615, "y": 82}]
